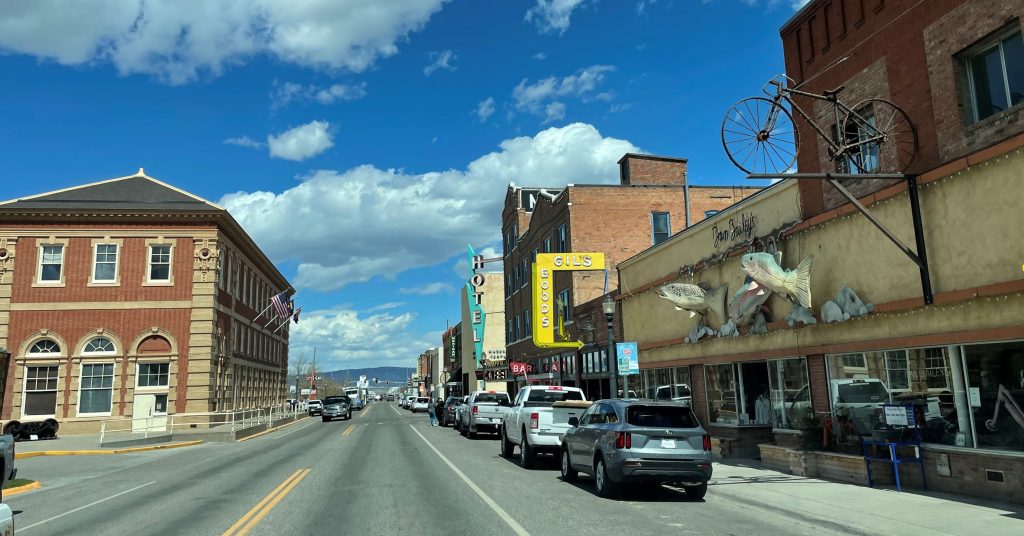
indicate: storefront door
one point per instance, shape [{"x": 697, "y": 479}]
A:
[{"x": 149, "y": 413}]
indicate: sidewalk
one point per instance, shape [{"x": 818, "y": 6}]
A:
[
  {"x": 68, "y": 444},
  {"x": 861, "y": 510}
]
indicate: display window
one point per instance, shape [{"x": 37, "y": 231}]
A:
[{"x": 790, "y": 394}]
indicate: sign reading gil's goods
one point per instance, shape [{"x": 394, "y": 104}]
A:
[{"x": 545, "y": 310}]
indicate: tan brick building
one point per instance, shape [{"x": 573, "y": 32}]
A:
[
  {"x": 132, "y": 299},
  {"x": 647, "y": 206}
]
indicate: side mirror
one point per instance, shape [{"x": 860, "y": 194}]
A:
[{"x": 574, "y": 422}]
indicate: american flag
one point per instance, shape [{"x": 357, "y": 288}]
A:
[{"x": 280, "y": 303}]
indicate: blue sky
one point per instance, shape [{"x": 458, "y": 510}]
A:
[{"x": 362, "y": 143}]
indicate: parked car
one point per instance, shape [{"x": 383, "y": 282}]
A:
[
  {"x": 447, "y": 416},
  {"x": 538, "y": 418},
  {"x": 484, "y": 412},
  {"x": 638, "y": 441},
  {"x": 679, "y": 392},
  {"x": 7, "y": 469},
  {"x": 408, "y": 402},
  {"x": 336, "y": 406},
  {"x": 458, "y": 412},
  {"x": 6, "y": 520},
  {"x": 315, "y": 407},
  {"x": 420, "y": 403},
  {"x": 391, "y": 398}
]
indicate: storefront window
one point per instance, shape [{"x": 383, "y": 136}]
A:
[
  {"x": 790, "y": 392},
  {"x": 995, "y": 385},
  {"x": 720, "y": 381}
]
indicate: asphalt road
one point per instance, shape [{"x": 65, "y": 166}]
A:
[{"x": 385, "y": 472}]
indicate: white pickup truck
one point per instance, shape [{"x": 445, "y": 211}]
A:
[
  {"x": 538, "y": 418},
  {"x": 484, "y": 411}
]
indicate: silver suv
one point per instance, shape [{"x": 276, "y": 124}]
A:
[{"x": 336, "y": 406}]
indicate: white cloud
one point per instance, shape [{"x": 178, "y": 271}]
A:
[
  {"x": 346, "y": 339},
  {"x": 485, "y": 108},
  {"x": 442, "y": 60},
  {"x": 620, "y": 107},
  {"x": 427, "y": 289},
  {"x": 538, "y": 98},
  {"x": 283, "y": 94},
  {"x": 365, "y": 222},
  {"x": 552, "y": 15},
  {"x": 797, "y": 4},
  {"x": 641, "y": 6},
  {"x": 179, "y": 41},
  {"x": 301, "y": 142},
  {"x": 385, "y": 306},
  {"x": 540, "y": 56},
  {"x": 245, "y": 141}
]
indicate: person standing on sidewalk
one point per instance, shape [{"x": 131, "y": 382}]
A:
[{"x": 432, "y": 413}]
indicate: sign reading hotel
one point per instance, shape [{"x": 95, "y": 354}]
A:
[
  {"x": 474, "y": 289},
  {"x": 545, "y": 310}
]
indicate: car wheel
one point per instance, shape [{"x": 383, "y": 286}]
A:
[
  {"x": 568, "y": 473},
  {"x": 696, "y": 492},
  {"x": 605, "y": 487},
  {"x": 506, "y": 446},
  {"x": 471, "y": 433},
  {"x": 325, "y": 419},
  {"x": 528, "y": 457}
]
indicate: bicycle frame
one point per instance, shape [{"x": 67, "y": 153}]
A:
[{"x": 785, "y": 94}]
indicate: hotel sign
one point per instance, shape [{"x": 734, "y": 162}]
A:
[
  {"x": 474, "y": 292},
  {"x": 544, "y": 306}
]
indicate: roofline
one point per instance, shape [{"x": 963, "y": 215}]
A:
[
  {"x": 652, "y": 157},
  {"x": 141, "y": 173},
  {"x": 786, "y": 26}
]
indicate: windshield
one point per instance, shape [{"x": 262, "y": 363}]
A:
[
  {"x": 862, "y": 393},
  {"x": 660, "y": 417},
  {"x": 336, "y": 400}
]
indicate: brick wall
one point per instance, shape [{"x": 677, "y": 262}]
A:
[
  {"x": 819, "y": 382},
  {"x": 640, "y": 169}
]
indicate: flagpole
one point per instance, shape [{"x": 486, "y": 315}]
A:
[
  {"x": 271, "y": 321},
  {"x": 283, "y": 324},
  {"x": 261, "y": 312}
]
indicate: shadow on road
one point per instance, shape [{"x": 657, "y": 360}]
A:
[{"x": 780, "y": 479}]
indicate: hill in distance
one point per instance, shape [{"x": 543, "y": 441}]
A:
[{"x": 395, "y": 375}]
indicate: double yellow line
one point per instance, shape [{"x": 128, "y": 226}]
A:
[
  {"x": 349, "y": 430},
  {"x": 258, "y": 512}
]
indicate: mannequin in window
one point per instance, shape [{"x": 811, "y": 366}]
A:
[{"x": 763, "y": 408}]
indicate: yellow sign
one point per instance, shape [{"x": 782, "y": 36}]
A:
[{"x": 544, "y": 309}]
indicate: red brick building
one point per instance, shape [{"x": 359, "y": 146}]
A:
[
  {"x": 647, "y": 206},
  {"x": 952, "y": 65},
  {"x": 129, "y": 298}
]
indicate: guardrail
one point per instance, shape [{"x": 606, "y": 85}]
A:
[{"x": 229, "y": 421}]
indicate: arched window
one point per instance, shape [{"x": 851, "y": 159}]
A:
[
  {"x": 99, "y": 345},
  {"x": 45, "y": 347}
]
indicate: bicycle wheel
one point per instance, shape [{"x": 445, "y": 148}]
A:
[
  {"x": 883, "y": 138},
  {"x": 759, "y": 136}
]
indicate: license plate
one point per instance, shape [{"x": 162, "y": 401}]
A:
[{"x": 668, "y": 443}]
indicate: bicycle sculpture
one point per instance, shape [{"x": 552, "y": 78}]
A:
[{"x": 874, "y": 136}]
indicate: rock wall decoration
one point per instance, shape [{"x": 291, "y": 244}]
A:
[{"x": 801, "y": 315}]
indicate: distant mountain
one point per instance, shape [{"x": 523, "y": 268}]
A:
[{"x": 395, "y": 375}]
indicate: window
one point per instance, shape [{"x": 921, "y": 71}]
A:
[
  {"x": 660, "y": 228},
  {"x": 790, "y": 392},
  {"x": 44, "y": 347},
  {"x": 518, "y": 327},
  {"x": 564, "y": 305},
  {"x": 709, "y": 213},
  {"x": 525, "y": 271},
  {"x": 897, "y": 370},
  {"x": 721, "y": 394},
  {"x": 160, "y": 263},
  {"x": 534, "y": 256},
  {"x": 508, "y": 286},
  {"x": 526, "y": 324},
  {"x": 936, "y": 370},
  {"x": 861, "y": 158},
  {"x": 508, "y": 243},
  {"x": 51, "y": 263},
  {"x": 547, "y": 245},
  {"x": 160, "y": 405},
  {"x": 40, "y": 391},
  {"x": 515, "y": 279},
  {"x": 515, "y": 235},
  {"x": 508, "y": 331},
  {"x": 563, "y": 239},
  {"x": 104, "y": 269},
  {"x": 99, "y": 345},
  {"x": 994, "y": 74},
  {"x": 97, "y": 388},
  {"x": 660, "y": 417},
  {"x": 153, "y": 374}
]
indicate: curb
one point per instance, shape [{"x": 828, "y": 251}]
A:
[
  {"x": 22, "y": 455},
  {"x": 22, "y": 489},
  {"x": 274, "y": 429}
]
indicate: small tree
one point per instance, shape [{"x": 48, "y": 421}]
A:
[{"x": 300, "y": 368}]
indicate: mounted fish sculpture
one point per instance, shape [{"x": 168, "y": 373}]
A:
[
  {"x": 697, "y": 299},
  {"x": 747, "y": 301},
  {"x": 766, "y": 269}
]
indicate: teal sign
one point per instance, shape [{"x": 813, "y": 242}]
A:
[
  {"x": 476, "y": 310},
  {"x": 628, "y": 358}
]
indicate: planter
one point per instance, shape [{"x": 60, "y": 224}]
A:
[{"x": 822, "y": 464}]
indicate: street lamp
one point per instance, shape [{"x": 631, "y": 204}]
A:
[{"x": 609, "y": 314}]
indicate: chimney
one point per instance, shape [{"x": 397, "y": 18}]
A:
[{"x": 648, "y": 170}]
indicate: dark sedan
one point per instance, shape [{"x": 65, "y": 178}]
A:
[
  {"x": 447, "y": 415},
  {"x": 638, "y": 441}
]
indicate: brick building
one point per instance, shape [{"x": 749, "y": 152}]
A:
[
  {"x": 955, "y": 355},
  {"x": 132, "y": 299},
  {"x": 645, "y": 208}
]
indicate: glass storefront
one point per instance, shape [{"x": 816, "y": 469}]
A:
[
  {"x": 772, "y": 393},
  {"x": 790, "y": 392},
  {"x": 966, "y": 396},
  {"x": 668, "y": 384}
]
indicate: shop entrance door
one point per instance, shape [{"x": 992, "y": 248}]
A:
[
  {"x": 149, "y": 413},
  {"x": 755, "y": 397}
]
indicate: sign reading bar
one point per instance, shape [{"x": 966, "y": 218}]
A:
[{"x": 545, "y": 310}]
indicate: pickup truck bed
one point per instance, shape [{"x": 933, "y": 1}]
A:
[{"x": 538, "y": 419}]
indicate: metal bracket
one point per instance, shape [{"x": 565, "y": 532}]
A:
[{"x": 920, "y": 257}]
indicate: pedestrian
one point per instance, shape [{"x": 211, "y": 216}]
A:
[
  {"x": 439, "y": 409},
  {"x": 433, "y": 414}
]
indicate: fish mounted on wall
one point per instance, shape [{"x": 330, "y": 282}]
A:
[
  {"x": 767, "y": 270},
  {"x": 747, "y": 301},
  {"x": 697, "y": 299}
]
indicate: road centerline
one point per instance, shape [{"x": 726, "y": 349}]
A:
[
  {"x": 80, "y": 508},
  {"x": 515, "y": 526},
  {"x": 249, "y": 520}
]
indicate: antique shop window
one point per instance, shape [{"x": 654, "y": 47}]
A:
[
  {"x": 720, "y": 389},
  {"x": 790, "y": 393},
  {"x": 995, "y": 385}
]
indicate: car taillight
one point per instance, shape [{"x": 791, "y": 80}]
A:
[
  {"x": 707, "y": 443},
  {"x": 623, "y": 440},
  {"x": 475, "y": 410},
  {"x": 534, "y": 421}
]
